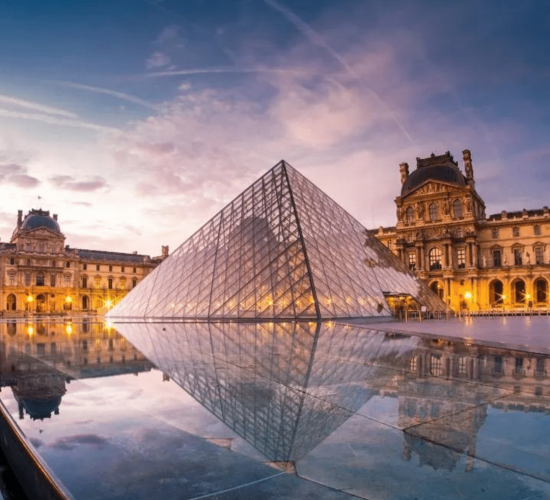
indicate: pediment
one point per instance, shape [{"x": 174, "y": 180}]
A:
[
  {"x": 435, "y": 187},
  {"x": 41, "y": 232}
]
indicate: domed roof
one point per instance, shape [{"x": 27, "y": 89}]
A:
[
  {"x": 445, "y": 173},
  {"x": 40, "y": 218},
  {"x": 39, "y": 409}
]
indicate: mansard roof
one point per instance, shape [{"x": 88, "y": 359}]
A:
[
  {"x": 438, "y": 168},
  {"x": 134, "y": 258}
]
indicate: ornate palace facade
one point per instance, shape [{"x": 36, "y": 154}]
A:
[
  {"x": 40, "y": 274},
  {"x": 472, "y": 261}
]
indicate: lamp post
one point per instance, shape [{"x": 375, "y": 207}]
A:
[{"x": 468, "y": 297}]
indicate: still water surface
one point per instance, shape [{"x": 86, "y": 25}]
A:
[{"x": 152, "y": 410}]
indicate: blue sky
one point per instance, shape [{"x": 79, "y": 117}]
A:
[{"x": 137, "y": 120}]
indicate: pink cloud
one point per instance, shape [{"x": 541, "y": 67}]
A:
[{"x": 70, "y": 184}]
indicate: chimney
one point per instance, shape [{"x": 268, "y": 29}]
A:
[
  {"x": 404, "y": 171},
  {"x": 19, "y": 218},
  {"x": 467, "y": 157},
  {"x": 165, "y": 250},
  {"x": 55, "y": 217}
]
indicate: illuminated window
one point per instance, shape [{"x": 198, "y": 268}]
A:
[
  {"x": 412, "y": 261},
  {"x": 436, "y": 365},
  {"x": 457, "y": 208},
  {"x": 413, "y": 364},
  {"x": 461, "y": 258},
  {"x": 434, "y": 212},
  {"x": 435, "y": 259},
  {"x": 462, "y": 365}
]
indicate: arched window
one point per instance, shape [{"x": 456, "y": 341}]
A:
[
  {"x": 437, "y": 288},
  {"x": 457, "y": 208},
  {"x": 518, "y": 289},
  {"x": 11, "y": 302},
  {"x": 435, "y": 259},
  {"x": 409, "y": 215},
  {"x": 496, "y": 292},
  {"x": 434, "y": 212},
  {"x": 541, "y": 291}
]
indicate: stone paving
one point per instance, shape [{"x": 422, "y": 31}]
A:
[{"x": 530, "y": 333}]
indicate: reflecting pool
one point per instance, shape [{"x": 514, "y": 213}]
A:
[{"x": 276, "y": 410}]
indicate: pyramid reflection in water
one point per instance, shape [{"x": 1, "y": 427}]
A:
[
  {"x": 283, "y": 387},
  {"x": 281, "y": 250}
]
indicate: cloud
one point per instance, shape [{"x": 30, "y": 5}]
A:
[
  {"x": 71, "y": 442},
  {"x": 157, "y": 60},
  {"x": 171, "y": 36},
  {"x": 36, "y": 106},
  {"x": 15, "y": 174},
  {"x": 70, "y": 184}
]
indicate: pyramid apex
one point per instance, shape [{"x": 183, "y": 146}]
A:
[{"x": 281, "y": 250}]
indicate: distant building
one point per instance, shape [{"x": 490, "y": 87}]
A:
[
  {"x": 40, "y": 274},
  {"x": 470, "y": 260}
]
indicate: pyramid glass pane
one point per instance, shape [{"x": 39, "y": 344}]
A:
[{"x": 282, "y": 249}]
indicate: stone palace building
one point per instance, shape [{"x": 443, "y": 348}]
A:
[
  {"x": 471, "y": 260},
  {"x": 40, "y": 274}
]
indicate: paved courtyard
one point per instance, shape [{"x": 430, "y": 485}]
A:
[{"x": 530, "y": 333}]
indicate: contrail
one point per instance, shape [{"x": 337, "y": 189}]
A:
[
  {"x": 205, "y": 71},
  {"x": 318, "y": 40},
  {"x": 114, "y": 93},
  {"x": 54, "y": 120},
  {"x": 36, "y": 106}
]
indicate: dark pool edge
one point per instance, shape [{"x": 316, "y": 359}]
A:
[{"x": 35, "y": 477}]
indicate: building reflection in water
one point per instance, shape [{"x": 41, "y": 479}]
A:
[
  {"x": 285, "y": 387},
  {"x": 37, "y": 360}
]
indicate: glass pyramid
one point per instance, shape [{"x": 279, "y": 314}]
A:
[{"x": 282, "y": 249}]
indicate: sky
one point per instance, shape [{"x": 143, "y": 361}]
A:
[{"x": 136, "y": 121}]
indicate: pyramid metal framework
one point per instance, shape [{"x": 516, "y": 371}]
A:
[{"x": 282, "y": 249}]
